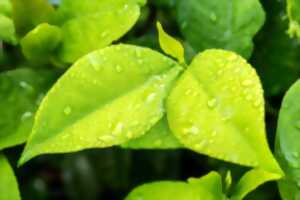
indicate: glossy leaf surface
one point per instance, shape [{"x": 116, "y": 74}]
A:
[
  {"x": 287, "y": 144},
  {"x": 89, "y": 26},
  {"x": 226, "y": 24},
  {"x": 208, "y": 187},
  {"x": 21, "y": 91},
  {"x": 106, "y": 98},
  {"x": 8, "y": 183},
  {"x": 217, "y": 109}
]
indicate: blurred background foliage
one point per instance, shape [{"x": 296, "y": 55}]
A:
[{"x": 111, "y": 173}]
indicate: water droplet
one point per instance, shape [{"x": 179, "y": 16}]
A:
[
  {"x": 247, "y": 82},
  {"x": 126, "y": 6},
  {"x": 213, "y": 17},
  {"x": 67, "y": 110},
  {"x": 138, "y": 53},
  {"x": 150, "y": 97},
  {"x": 104, "y": 34},
  {"x": 188, "y": 92},
  {"x": 214, "y": 133},
  {"x": 200, "y": 145},
  {"x": 158, "y": 142},
  {"x": 129, "y": 135},
  {"x": 257, "y": 103},
  {"x": 26, "y": 115},
  {"x": 119, "y": 68},
  {"x": 212, "y": 103},
  {"x": 25, "y": 85},
  {"x": 193, "y": 130},
  {"x": 118, "y": 129},
  {"x": 248, "y": 97},
  {"x": 232, "y": 57},
  {"x": 183, "y": 24}
]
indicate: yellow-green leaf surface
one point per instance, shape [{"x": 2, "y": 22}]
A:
[
  {"x": 21, "y": 91},
  {"x": 208, "y": 187},
  {"x": 90, "y": 25},
  {"x": 250, "y": 181},
  {"x": 106, "y": 98},
  {"x": 5, "y": 7},
  {"x": 29, "y": 13},
  {"x": 170, "y": 45},
  {"x": 39, "y": 44},
  {"x": 293, "y": 10},
  {"x": 287, "y": 147},
  {"x": 217, "y": 108},
  {"x": 158, "y": 137},
  {"x": 7, "y": 30},
  {"x": 8, "y": 183}
]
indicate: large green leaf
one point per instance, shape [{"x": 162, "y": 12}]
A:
[
  {"x": 8, "y": 183},
  {"x": 90, "y": 25},
  {"x": 226, "y": 24},
  {"x": 27, "y": 14},
  {"x": 293, "y": 9},
  {"x": 20, "y": 93},
  {"x": 106, "y": 98},
  {"x": 217, "y": 108},
  {"x": 250, "y": 181},
  {"x": 39, "y": 44},
  {"x": 208, "y": 187},
  {"x": 7, "y": 30},
  {"x": 287, "y": 146},
  {"x": 158, "y": 137}
]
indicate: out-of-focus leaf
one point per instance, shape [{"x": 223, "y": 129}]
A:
[
  {"x": 170, "y": 45},
  {"x": 276, "y": 56},
  {"x": 158, "y": 137},
  {"x": 29, "y": 13},
  {"x": 20, "y": 93},
  {"x": 8, "y": 183},
  {"x": 293, "y": 9},
  {"x": 226, "y": 24},
  {"x": 217, "y": 108},
  {"x": 90, "y": 25},
  {"x": 106, "y": 98},
  {"x": 250, "y": 181},
  {"x": 7, "y": 30},
  {"x": 287, "y": 144},
  {"x": 5, "y": 7},
  {"x": 39, "y": 44},
  {"x": 208, "y": 187}
]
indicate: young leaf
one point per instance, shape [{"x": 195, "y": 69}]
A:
[
  {"x": 293, "y": 10},
  {"x": 106, "y": 98},
  {"x": 217, "y": 108},
  {"x": 170, "y": 45},
  {"x": 250, "y": 181},
  {"x": 5, "y": 7},
  {"x": 158, "y": 137},
  {"x": 208, "y": 187},
  {"x": 287, "y": 147},
  {"x": 8, "y": 183},
  {"x": 20, "y": 93},
  {"x": 27, "y": 14},
  {"x": 7, "y": 30},
  {"x": 220, "y": 23},
  {"x": 90, "y": 25},
  {"x": 39, "y": 44}
]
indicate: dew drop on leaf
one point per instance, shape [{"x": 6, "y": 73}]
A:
[
  {"x": 67, "y": 110},
  {"x": 212, "y": 103}
]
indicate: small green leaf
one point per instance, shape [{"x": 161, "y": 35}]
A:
[
  {"x": 5, "y": 7},
  {"x": 158, "y": 137},
  {"x": 88, "y": 26},
  {"x": 293, "y": 10},
  {"x": 217, "y": 108},
  {"x": 208, "y": 187},
  {"x": 8, "y": 184},
  {"x": 228, "y": 180},
  {"x": 287, "y": 146},
  {"x": 250, "y": 181},
  {"x": 170, "y": 45},
  {"x": 7, "y": 30},
  {"x": 27, "y": 14},
  {"x": 40, "y": 43},
  {"x": 106, "y": 98},
  {"x": 225, "y": 24},
  {"x": 21, "y": 91}
]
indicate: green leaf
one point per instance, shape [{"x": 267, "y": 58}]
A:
[
  {"x": 226, "y": 24},
  {"x": 27, "y": 14},
  {"x": 5, "y": 7},
  {"x": 88, "y": 26},
  {"x": 40, "y": 43},
  {"x": 7, "y": 30},
  {"x": 8, "y": 183},
  {"x": 158, "y": 137},
  {"x": 106, "y": 98},
  {"x": 217, "y": 108},
  {"x": 293, "y": 10},
  {"x": 170, "y": 45},
  {"x": 20, "y": 93},
  {"x": 287, "y": 147},
  {"x": 250, "y": 181},
  {"x": 208, "y": 187}
]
